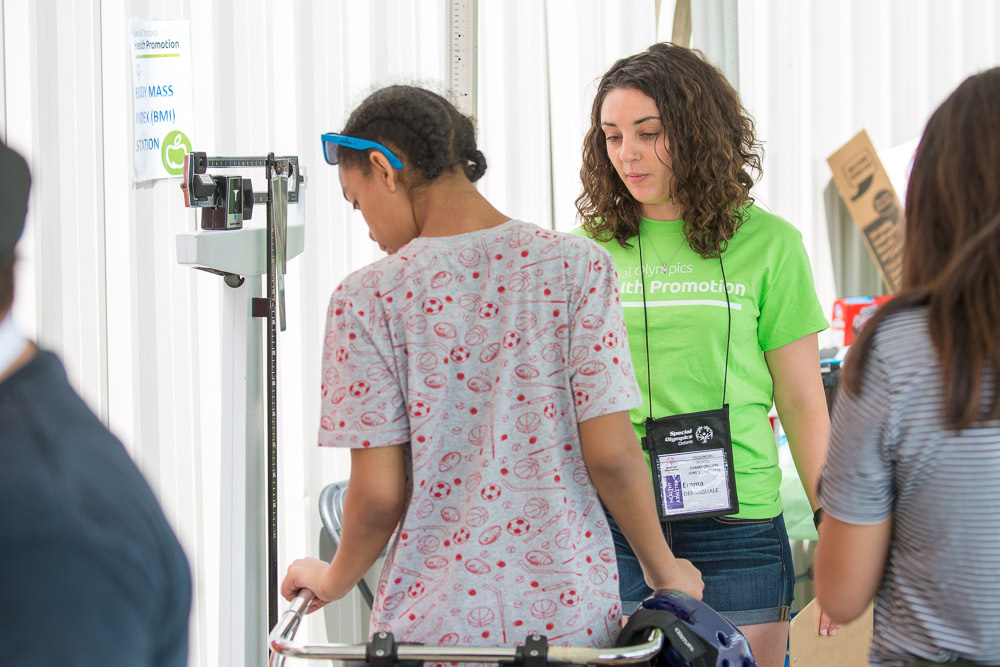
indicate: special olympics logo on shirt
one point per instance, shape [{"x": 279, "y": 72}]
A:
[{"x": 704, "y": 434}]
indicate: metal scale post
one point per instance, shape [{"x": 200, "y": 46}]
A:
[{"x": 241, "y": 255}]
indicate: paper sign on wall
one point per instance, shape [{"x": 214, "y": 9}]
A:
[{"x": 161, "y": 98}]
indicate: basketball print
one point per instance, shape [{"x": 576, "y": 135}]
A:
[
  {"x": 536, "y": 508},
  {"x": 477, "y": 516},
  {"x": 480, "y": 617},
  {"x": 528, "y": 423},
  {"x": 469, "y": 302},
  {"x": 552, "y": 352},
  {"x": 519, "y": 282},
  {"x": 477, "y": 335},
  {"x": 469, "y": 258},
  {"x": 426, "y": 362},
  {"x": 416, "y": 324},
  {"x": 543, "y": 609},
  {"x": 526, "y": 468},
  {"x": 525, "y": 320},
  {"x": 428, "y": 544},
  {"x": 371, "y": 278},
  {"x": 598, "y": 574}
]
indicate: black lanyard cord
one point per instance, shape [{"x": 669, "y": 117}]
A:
[
  {"x": 645, "y": 325},
  {"x": 729, "y": 328}
]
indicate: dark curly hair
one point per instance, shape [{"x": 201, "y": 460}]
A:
[
  {"x": 711, "y": 138},
  {"x": 951, "y": 251},
  {"x": 425, "y": 131}
]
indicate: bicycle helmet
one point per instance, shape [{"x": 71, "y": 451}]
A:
[{"x": 695, "y": 634}]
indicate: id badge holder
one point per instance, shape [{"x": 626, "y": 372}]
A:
[{"x": 691, "y": 456}]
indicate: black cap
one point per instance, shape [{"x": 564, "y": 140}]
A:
[{"x": 15, "y": 183}]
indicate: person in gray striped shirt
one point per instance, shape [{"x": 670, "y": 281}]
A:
[{"x": 911, "y": 487}]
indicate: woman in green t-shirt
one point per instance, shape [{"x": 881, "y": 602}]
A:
[{"x": 721, "y": 311}]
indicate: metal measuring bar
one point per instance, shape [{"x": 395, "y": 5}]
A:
[
  {"x": 282, "y": 646},
  {"x": 463, "y": 53}
]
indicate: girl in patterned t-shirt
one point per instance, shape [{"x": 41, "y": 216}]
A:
[{"x": 481, "y": 378}]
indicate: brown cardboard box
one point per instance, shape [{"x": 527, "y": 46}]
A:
[
  {"x": 848, "y": 648},
  {"x": 866, "y": 190}
]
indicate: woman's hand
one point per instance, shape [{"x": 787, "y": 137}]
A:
[
  {"x": 686, "y": 579},
  {"x": 307, "y": 573}
]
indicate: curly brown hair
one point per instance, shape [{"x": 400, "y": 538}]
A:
[{"x": 716, "y": 156}]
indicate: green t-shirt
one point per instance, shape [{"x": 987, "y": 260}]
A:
[{"x": 773, "y": 302}]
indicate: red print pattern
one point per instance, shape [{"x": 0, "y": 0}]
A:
[{"x": 484, "y": 351}]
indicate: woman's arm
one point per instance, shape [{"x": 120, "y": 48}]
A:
[
  {"x": 801, "y": 404},
  {"x": 848, "y": 566},
  {"x": 373, "y": 506},
  {"x": 618, "y": 470}
]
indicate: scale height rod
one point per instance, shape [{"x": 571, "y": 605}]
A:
[
  {"x": 272, "y": 403},
  {"x": 463, "y": 53}
]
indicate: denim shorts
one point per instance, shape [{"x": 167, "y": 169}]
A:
[{"x": 746, "y": 565}]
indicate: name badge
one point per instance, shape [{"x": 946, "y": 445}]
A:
[{"x": 692, "y": 460}]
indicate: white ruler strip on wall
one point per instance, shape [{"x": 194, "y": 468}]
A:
[{"x": 462, "y": 54}]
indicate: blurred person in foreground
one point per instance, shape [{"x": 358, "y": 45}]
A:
[{"x": 90, "y": 571}]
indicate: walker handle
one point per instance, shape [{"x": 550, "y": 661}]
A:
[{"x": 282, "y": 646}]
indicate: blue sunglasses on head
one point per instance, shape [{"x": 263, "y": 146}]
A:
[{"x": 331, "y": 141}]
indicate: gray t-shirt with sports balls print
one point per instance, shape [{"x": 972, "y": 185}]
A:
[{"x": 484, "y": 351}]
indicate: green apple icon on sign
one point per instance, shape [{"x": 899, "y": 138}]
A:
[{"x": 175, "y": 145}]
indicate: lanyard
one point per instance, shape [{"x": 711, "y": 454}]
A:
[
  {"x": 12, "y": 343},
  {"x": 645, "y": 324}
]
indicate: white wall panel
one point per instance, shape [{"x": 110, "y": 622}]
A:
[{"x": 815, "y": 73}]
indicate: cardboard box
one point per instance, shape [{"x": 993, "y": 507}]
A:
[
  {"x": 867, "y": 191},
  {"x": 848, "y": 648},
  {"x": 851, "y": 313}
]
